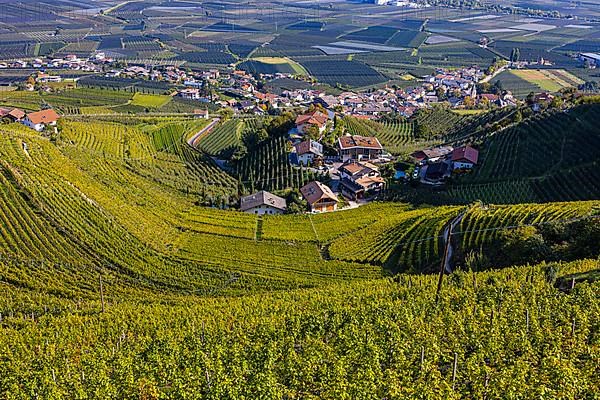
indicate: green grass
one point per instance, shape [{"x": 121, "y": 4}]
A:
[{"x": 150, "y": 100}]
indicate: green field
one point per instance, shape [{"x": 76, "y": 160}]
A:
[
  {"x": 251, "y": 302},
  {"x": 150, "y": 100},
  {"x": 550, "y": 157}
]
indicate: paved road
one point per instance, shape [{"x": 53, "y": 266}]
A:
[
  {"x": 447, "y": 237},
  {"x": 193, "y": 141}
]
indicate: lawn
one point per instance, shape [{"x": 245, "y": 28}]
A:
[
  {"x": 150, "y": 100},
  {"x": 298, "y": 69},
  {"x": 468, "y": 112},
  {"x": 549, "y": 80}
]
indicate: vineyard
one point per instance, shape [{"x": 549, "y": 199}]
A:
[
  {"x": 397, "y": 136},
  {"x": 224, "y": 139},
  {"x": 549, "y": 157},
  {"x": 492, "y": 335},
  {"x": 268, "y": 167},
  {"x": 116, "y": 282}
]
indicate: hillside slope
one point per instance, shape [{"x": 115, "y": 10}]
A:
[
  {"x": 512, "y": 334},
  {"x": 552, "y": 157}
]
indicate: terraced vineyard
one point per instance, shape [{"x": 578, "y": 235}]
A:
[
  {"x": 542, "y": 159},
  {"x": 480, "y": 225},
  {"x": 224, "y": 139},
  {"x": 397, "y": 137},
  {"x": 268, "y": 167},
  {"x": 505, "y": 312},
  {"x": 121, "y": 203},
  {"x": 408, "y": 241}
]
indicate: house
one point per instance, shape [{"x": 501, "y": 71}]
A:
[
  {"x": 315, "y": 118},
  {"x": 198, "y": 113},
  {"x": 190, "y": 94},
  {"x": 359, "y": 148},
  {"x": 359, "y": 179},
  {"x": 437, "y": 171},
  {"x": 464, "y": 157},
  {"x": 432, "y": 155},
  {"x": 262, "y": 203},
  {"x": 40, "y": 119},
  {"x": 308, "y": 152},
  {"x": 16, "y": 114},
  {"x": 319, "y": 197},
  {"x": 354, "y": 170}
]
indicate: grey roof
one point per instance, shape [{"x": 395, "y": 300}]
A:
[{"x": 262, "y": 198}]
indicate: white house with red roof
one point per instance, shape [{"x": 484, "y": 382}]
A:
[{"x": 40, "y": 119}]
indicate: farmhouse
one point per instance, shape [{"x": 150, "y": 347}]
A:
[
  {"x": 354, "y": 170},
  {"x": 432, "y": 155},
  {"x": 359, "y": 179},
  {"x": 315, "y": 118},
  {"x": 308, "y": 152},
  {"x": 359, "y": 148},
  {"x": 40, "y": 119},
  {"x": 320, "y": 198},
  {"x": 464, "y": 157},
  {"x": 190, "y": 94},
  {"x": 262, "y": 203},
  {"x": 16, "y": 114}
]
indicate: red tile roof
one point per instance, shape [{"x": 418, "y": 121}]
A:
[
  {"x": 465, "y": 154},
  {"x": 43, "y": 117},
  {"x": 314, "y": 118},
  {"x": 348, "y": 142},
  {"x": 17, "y": 113},
  {"x": 315, "y": 191}
]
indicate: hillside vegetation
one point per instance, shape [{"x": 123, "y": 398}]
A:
[
  {"x": 221, "y": 304},
  {"x": 510, "y": 333},
  {"x": 552, "y": 156}
]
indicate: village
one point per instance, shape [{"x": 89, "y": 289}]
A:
[
  {"x": 354, "y": 173},
  {"x": 247, "y": 93}
]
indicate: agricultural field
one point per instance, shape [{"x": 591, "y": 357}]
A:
[
  {"x": 269, "y": 65},
  {"x": 397, "y": 137},
  {"x": 519, "y": 87},
  {"x": 223, "y": 140},
  {"x": 209, "y": 57},
  {"x": 127, "y": 271},
  {"x": 150, "y": 100},
  {"x": 344, "y": 73},
  {"x": 542, "y": 159},
  {"x": 70, "y": 100},
  {"x": 548, "y": 80}
]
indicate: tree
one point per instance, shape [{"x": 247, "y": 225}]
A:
[
  {"x": 468, "y": 102},
  {"x": 440, "y": 92},
  {"x": 523, "y": 245},
  {"x": 312, "y": 131}
]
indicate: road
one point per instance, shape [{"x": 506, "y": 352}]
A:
[
  {"x": 194, "y": 139},
  {"x": 448, "y": 241}
]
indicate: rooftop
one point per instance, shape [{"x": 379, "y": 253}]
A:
[
  {"x": 348, "y": 142},
  {"x": 315, "y": 191},
  {"x": 43, "y": 117},
  {"x": 262, "y": 198}
]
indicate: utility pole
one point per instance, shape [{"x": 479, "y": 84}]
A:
[
  {"x": 101, "y": 293},
  {"x": 447, "y": 237}
]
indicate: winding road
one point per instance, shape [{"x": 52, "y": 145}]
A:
[
  {"x": 448, "y": 242},
  {"x": 193, "y": 141}
]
